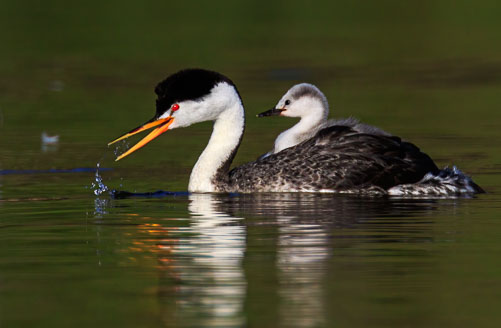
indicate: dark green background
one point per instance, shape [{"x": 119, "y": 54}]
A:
[{"x": 428, "y": 71}]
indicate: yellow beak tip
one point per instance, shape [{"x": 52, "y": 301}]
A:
[{"x": 164, "y": 126}]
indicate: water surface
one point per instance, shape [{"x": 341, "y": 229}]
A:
[{"x": 428, "y": 72}]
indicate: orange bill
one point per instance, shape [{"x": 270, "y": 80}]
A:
[
  {"x": 145, "y": 126},
  {"x": 164, "y": 126}
]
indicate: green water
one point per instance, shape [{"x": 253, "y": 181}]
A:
[{"x": 429, "y": 72}]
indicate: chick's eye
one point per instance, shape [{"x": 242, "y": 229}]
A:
[
  {"x": 175, "y": 107},
  {"x": 287, "y": 102}
]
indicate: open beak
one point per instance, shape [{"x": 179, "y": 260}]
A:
[
  {"x": 271, "y": 112},
  {"x": 163, "y": 125}
]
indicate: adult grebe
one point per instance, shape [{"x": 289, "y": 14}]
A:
[
  {"x": 307, "y": 102},
  {"x": 336, "y": 159}
]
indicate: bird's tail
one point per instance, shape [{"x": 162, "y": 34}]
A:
[{"x": 445, "y": 183}]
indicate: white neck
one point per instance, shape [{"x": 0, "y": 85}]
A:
[
  {"x": 222, "y": 146},
  {"x": 300, "y": 131}
]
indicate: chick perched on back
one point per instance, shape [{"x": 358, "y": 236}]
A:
[{"x": 307, "y": 102}]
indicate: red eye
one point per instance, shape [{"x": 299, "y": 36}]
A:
[{"x": 175, "y": 107}]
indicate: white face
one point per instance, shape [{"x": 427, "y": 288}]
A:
[
  {"x": 188, "y": 112},
  {"x": 309, "y": 104}
]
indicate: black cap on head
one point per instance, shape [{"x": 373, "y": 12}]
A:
[{"x": 188, "y": 84}]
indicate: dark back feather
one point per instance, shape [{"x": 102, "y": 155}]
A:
[{"x": 337, "y": 158}]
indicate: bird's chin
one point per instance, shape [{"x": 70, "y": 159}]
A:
[
  {"x": 180, "y": 123},
  {"x": 286, "y": 113}
]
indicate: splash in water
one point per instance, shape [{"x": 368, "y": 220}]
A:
[
  {"x": 101, "y": 207},
  {"x": 98, "y": 186}
]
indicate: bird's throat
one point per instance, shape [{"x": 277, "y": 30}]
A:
[{"x": 210, "y": 173}]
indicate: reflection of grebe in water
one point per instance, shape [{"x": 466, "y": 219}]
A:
[
  {"x": 302, "y": 225},
  {"x": 336, "y": 159},
  {"x": 206, "y": 259},
  {"x": 303, "y": 251},
  {"x": 223, "y": 237}
]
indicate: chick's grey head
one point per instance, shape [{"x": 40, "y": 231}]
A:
[{"x": 303, "y": 100}]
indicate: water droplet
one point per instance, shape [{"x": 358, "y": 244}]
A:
[
  {"x": 121, "y": 147},
  {"x": 98, "y": 186}
]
